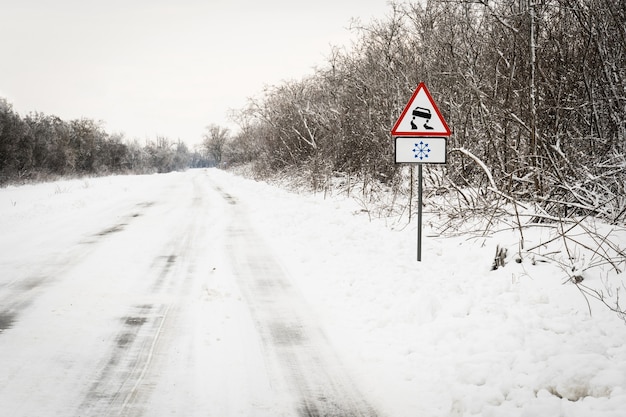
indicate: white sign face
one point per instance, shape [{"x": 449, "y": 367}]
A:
[
  {"x": 421, "y": 117},
  {"x": 421, "y": 150}
]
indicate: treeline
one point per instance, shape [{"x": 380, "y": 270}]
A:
[
  {"x": 37, "y": 146},
  {"x": 533, "y": 89}
]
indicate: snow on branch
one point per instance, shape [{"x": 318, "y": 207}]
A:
[{"x": 480, "y": 163}]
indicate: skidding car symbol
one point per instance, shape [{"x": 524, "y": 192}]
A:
[{"x": 423, "y": 113}]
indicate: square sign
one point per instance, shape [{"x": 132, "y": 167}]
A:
[{"x": 421, "y": 150}]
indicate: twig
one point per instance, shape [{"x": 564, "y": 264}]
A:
[{"x": 556, "y": 237}]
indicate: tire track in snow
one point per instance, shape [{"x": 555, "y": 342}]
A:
[
  {"x": 117, "y": 384},
  {"x": 19, "y": 293},
  {"x": 301, "y": 358},
  {"x": 89, "y": 322},
  {"x": 122, "y": 385}
]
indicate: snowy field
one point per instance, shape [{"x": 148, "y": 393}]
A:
[{"x": 127, "y": 295}]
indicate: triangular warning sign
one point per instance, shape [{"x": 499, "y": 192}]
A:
[{"x": 421, "y": 117}]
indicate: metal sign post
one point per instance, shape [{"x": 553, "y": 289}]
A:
[
  {"x": 419, "y": 213},
  {"x": 421, "y": 136}
]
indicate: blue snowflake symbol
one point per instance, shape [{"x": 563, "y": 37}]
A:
[{"x": 421, "y": 150}]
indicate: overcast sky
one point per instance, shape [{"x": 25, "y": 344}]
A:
[{"x": 163, "y": 67}]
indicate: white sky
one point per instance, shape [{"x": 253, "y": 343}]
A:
[{"x": 163, "y": 67}]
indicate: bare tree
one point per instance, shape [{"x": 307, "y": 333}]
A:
[{"x": 214, "y": 142}]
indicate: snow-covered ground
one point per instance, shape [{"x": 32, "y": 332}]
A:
[{"x": 203, "y": 293}]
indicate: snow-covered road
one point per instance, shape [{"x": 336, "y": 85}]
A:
[
  {"x": 202, "y": 293},
  {"x": 164, "y": 302}
]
